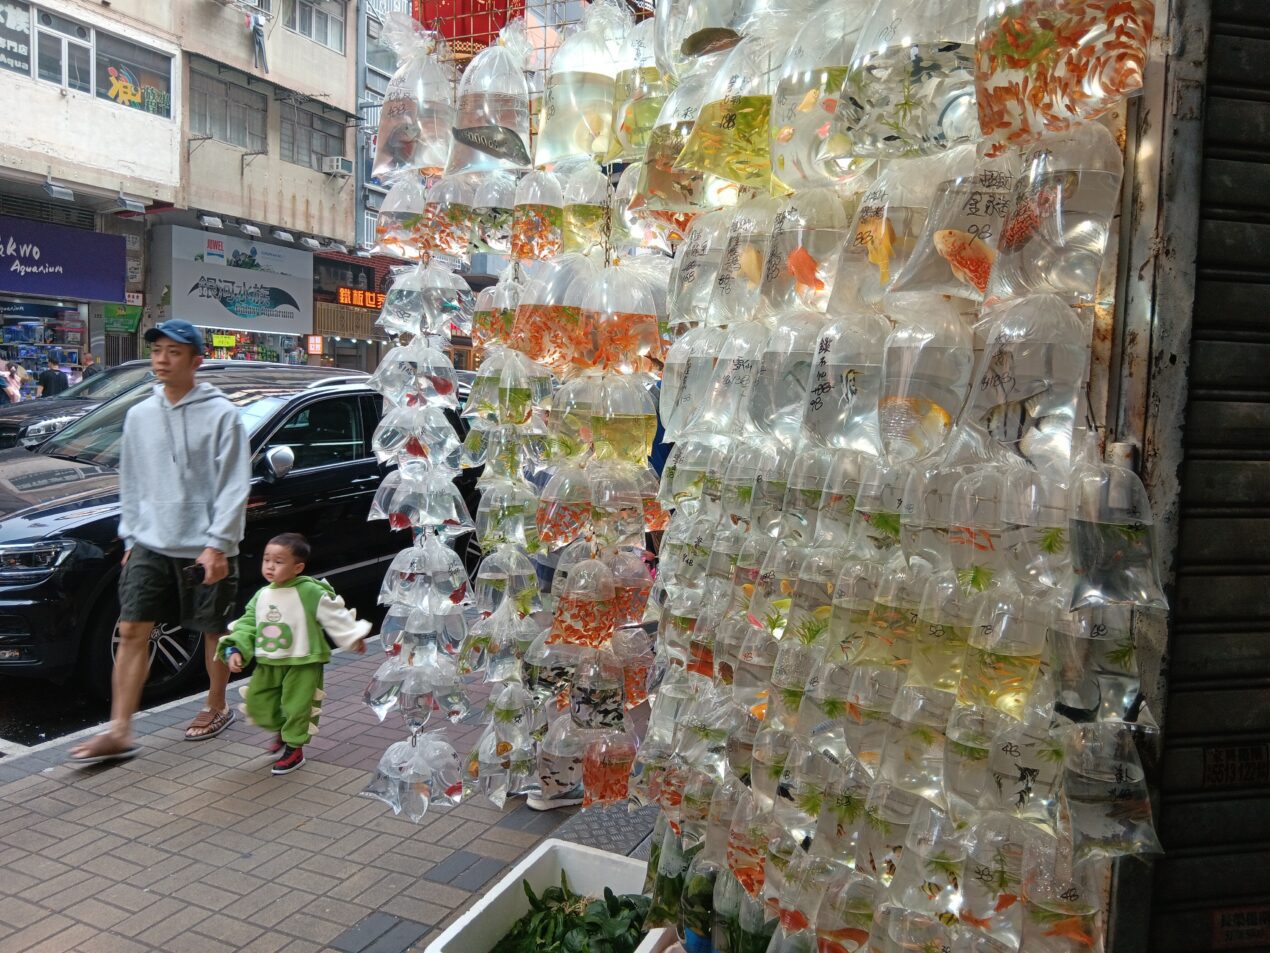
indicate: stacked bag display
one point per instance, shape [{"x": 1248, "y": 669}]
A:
[{"x": 888, "y": 645}]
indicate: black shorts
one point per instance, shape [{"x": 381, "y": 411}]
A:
[{"x": 152, "y": 588}]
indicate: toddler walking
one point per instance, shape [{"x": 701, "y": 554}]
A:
[{"x": 285, "y": 629}]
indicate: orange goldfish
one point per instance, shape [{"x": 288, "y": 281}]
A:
[
  {"x": 1005, "y": 901},
  {"x": 828, "y": 940},
  {"x": 969, "y": 257},
  {"x": 803, "y": 268},
  {"x": 982, "y": 923},
  {"x": 1073, "y": 929}
]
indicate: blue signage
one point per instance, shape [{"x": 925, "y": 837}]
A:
[{"x": 58, "y": 262}]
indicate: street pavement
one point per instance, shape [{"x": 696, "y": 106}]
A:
[{"x": 195, "y": 846}]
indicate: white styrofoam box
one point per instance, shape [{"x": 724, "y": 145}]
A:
[
  {"x": 589, "y": 871},
  {"x": 659, "y": 940}
]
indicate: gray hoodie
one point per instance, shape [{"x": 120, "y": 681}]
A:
[{"x": 185, "y": 474}]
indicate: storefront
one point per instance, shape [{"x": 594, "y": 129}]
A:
[
  {"x": 49, "y": 274},
  {"x": 254, "y": 301}
]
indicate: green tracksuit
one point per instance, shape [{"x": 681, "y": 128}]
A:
[{"x": 285, "y": 629}]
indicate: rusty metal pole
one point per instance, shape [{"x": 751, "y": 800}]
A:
[{"x": 1147, "y": 406}]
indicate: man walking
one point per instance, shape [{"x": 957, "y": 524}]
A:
[
  {"x": 52, "y": 381},
  {"x": 183, "y": 483},
  {"x": 91, "y": 367}
]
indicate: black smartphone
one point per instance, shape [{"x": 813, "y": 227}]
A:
[{"x": 194, "y": 575}]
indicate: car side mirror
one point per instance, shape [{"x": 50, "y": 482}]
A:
[{"x": 279, "y": 462}]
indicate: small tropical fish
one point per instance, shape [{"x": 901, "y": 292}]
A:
[
  {"x": 829, "y": 105},
  {"x": 784, "y": 134},
  {"x": 809, "y": 101},
  {"x": 803, "y": 268},
  {"x": 710, "y": 40},
  {"x": 752, "y": 265},
  {"x": 497, "y": 141},
  {"x": 969, "y": 256},
  {"x": 878, "y": 235}
]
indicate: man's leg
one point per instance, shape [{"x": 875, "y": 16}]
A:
[
  {"x": 217, "y": 673},
  {"x": 132, "y": 665}
]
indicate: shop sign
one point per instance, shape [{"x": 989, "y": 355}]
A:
[
  {"x": 224, "y": 340},
  {"x": 29, "y": 309},
  {"x": 122, "y": 318},
  {"x": 59, "y": 262},
  {"x": 359, "y": 298},
  {"x": 313, "y": 344},
  {"x": 134, "y": 297},
  {"x": 224, "y": 282},
  {"x": 15, "y": 36},
  {"x": 1238, "y": 928},
  {"x": 1236, "y": 766}
]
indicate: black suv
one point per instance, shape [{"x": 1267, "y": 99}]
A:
[
  {"x": 29, "y": 423},
  {"x": 59, "y": 516}
]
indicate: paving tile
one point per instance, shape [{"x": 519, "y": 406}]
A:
[
  {"x": 162, "y": 932},
  {"x": 18, "y": 913},
  {"x": 452, "y": 866},
  {"x": 156, "y": 909},
  {"x": 48, "y": 888},
  {"x": 67, "y": 939},
  {"x": 399, "y": 938},
  {"x": 231, "y": 930},
  {"x": 127, "y": 897},
  {"x": 361, "y": 934},
  {"x": 112, "y": 943},
  {"x": 36, "y": 933},
  {"x": 479, "y": 874},
  {"x": 92, "y": 911}
]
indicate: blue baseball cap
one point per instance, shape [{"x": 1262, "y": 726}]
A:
[{"x": 180, "y": 331}]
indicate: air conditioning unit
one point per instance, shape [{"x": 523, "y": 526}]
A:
[{"x": 337, "y": 165}]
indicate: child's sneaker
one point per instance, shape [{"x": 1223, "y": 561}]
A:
[
  {"x": 291, "y": 759},
  {"x": 275, "y": 744}
]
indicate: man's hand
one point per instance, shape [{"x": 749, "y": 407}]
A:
[
  {"x": 126, "y": 554},
  {"x": 215, "y": 566}
]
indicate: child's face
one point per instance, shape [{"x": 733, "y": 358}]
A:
[{"x": 280, "y": 564}]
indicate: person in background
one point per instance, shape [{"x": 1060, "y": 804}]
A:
[
  {"x": 52, "y": 381},
  {"x": 185, "y": 471},
  {"x": 10, "y": 384},
  {"x": 91, "y": 367}
]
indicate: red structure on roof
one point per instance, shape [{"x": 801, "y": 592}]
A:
[{"x": 469, "y": 25}]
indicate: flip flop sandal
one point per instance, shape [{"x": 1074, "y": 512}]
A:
[
  {"x": 123, "y": 754},
  {"x": 209, "y": 724}
]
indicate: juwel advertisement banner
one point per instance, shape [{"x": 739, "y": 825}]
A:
[
  {"x": 58, "y": 262},
  {"x": 225, "y": 282}
]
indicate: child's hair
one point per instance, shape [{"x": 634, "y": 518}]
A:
[{"x": 295, "y": 543}]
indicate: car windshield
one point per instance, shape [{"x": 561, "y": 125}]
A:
[
  {"x": 96, "y": 437},
  {"x": 106, "y": 385}
]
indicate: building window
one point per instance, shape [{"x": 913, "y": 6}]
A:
[
  {"x": 308, "y": 137},
  {"x": 264, "y": 6},
  {"x": 379, "y": 55},
  {"x": 133, "y": 75},
  {"x": 370, "y": 226},
  {"x": 227, "y": 112},
  {"x": 321, "y": 22},
  {"x": 64, "y": 52}
]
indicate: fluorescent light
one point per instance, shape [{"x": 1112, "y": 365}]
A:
[
  {"x": 129, "y": 205},
  {"x": 59, "y": 192},
  {"x": 249, "y": 229},
  {"x": 282, "y": 236},
  {"x": 210, "y": 221},
  {"x": 308, "y": 241}
]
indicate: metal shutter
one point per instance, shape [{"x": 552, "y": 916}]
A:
[{"x": 1212, "y": 889}]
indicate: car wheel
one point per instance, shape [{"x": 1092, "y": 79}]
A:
[{"x": 175, "y": 655}]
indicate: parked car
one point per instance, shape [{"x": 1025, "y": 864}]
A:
[
  {"x": 30, "y": 422},
  {"x": 313, "y": 472}
]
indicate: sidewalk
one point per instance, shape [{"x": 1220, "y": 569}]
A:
[{"x": 197, "y": 847}]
